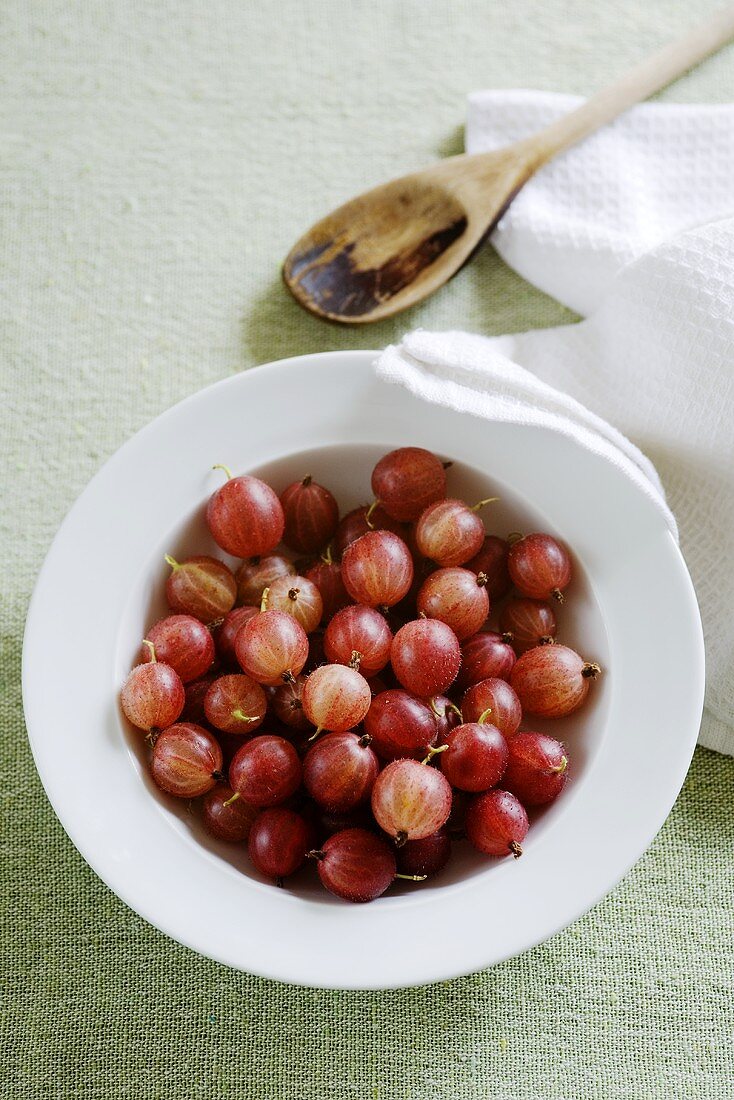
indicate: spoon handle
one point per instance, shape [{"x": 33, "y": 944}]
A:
[{"x": 640, "y": 82}]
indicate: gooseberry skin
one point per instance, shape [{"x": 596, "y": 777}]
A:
[
  {"x": 497, "y": 697},
  {"x": 257, "y": 574},
  {"x": 265, "y": 771},
  {"x": 196, "y": 690},
  {"x": 339, "y": 771},
  {"x": 377, "y": 569},
  {"x": 449, "y": 533},
  {"x": 458, "y": 597},
  {"x": 531, "y": 623},
  {"x": 355, "y": 524},
  {"x": 496, "y": 824},
  {"x": 328, "y": 823},
  {"x": 447, "y": 716},
  {"x": 485, "y": 655},
  {"x": 336, "y": 697},
  {"x": 182, "y": 642},
  {"x": 287, "y": 704},
  {"x": 278, "y": 842},
  {"x": 552, "y": 680},
  {"x": 201, "y": 586},
  {"x": 362, "y": 631},
  {"x": 537, "y": 768},
  {"x": 316, "y": 655},
  {"x": 425, "y": 656},
  {"x": 225, "y": 634},
  {"x": 227, "y": 822},
  {"x": 492, "y": 561},
  {"x": 245, "y": 517},
  {"x": 327, "y": 576},
  {"x": 152, "y": 696},
  {"x": 410, "y": 800},
  {"x": 407, "y": 480},
  {"x": 299, "y": 597},
  {"x": 476, "y": 757},
  {"x": 427, "y": 856},
  {"x": 355, "y": 865},
  {"x": 271, "y": 648},
  {"x": 539, "y": 567},
  {"x": 311, "y": 515},
  {"x": 400, "y": 725},
  {"x": 455, "y": 826},
  {"x": 235, "y": 693},
  {"x": 186, "y": 760}
]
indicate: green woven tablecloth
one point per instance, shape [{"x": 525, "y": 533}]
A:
[{"x": 158, "y": 158}]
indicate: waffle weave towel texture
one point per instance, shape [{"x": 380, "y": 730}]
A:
[
  {"x": 636, "y": 227},
  {"x": 158, "y": 160}
]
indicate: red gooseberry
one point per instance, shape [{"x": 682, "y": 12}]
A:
[
  {"x": 245, "y": 516},
  {"x": 552, "y": 680},
  {"x": 311, "y": 515}
]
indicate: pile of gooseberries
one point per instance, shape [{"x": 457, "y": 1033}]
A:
[{"x": 351, "y": 695}]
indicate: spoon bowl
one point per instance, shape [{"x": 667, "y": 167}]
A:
[{"x": 390, "y": 247}]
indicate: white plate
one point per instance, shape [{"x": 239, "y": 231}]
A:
[{"x": 101, "y": 586}]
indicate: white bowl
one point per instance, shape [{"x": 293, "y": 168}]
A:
[{"x": 101, "y": 586}]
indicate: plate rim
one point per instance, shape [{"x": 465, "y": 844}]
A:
[{"x": 434, "y": 973}]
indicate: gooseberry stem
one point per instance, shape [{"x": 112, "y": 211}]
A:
[
  {"x": 481, "y": 503},
  {"x": 242, "y": 717},
  {"x": 355, "y": 660},
  {"x": 307, "y": 481},
  {"x": 560, "y": 769},
  {"x": 316, "y": 853},
  {"x": 234, "y": 798},
  {"x": 151, "y": 647},
  {"x": 315, "y": 734},
  {"x": 590, "y": 671},
  {"x": 172, "y": 562},
  {"x": 515, "y": 848},
  {"x": 434, "y": 752},
  {"x": 448, "y": 706},
  {"x": 221, "y": 466},
  {"x": 483, "y": 716},
  {"x": 400, "y": 838},
  {"x": 368, "y": 514},
  {"x": 264, "y": 599},
  {"x": 413, "y": 878}
]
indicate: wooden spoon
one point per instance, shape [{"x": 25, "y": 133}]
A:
[{"x": 394, "y": 245}]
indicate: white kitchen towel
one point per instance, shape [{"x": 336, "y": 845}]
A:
[
  {"x": 606, "y": 230},
  {"x": 654, "y": 172}
]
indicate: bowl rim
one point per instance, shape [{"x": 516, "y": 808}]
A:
[{"x": 643, "y": 808}]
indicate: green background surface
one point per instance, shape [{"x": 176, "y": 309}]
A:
[{"x": 158, "y": 159}]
